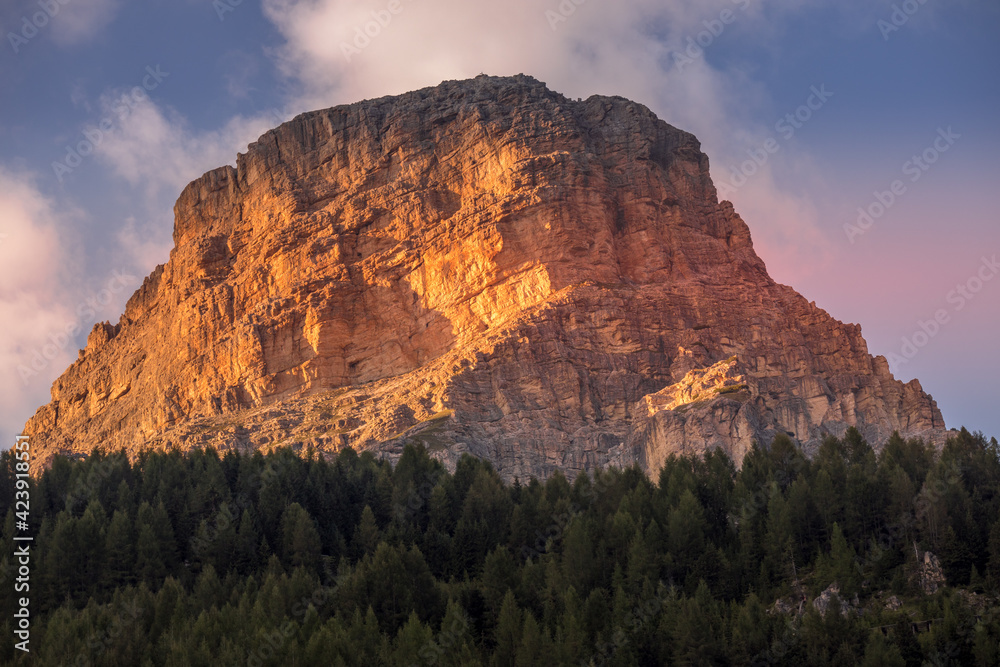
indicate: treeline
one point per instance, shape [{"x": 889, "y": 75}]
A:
[{"x": 297, "y": 559}]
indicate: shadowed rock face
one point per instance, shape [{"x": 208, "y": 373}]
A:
[{"x": 486, "y": 267}]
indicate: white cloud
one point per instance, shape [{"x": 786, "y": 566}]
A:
[
  {"x": 238, "y": 69},
  {"x": 32, "y": 304},
  {"x": 578, "y": 48},
  {"x": 156, "y": 149},
  {"x": 142, "y": 244},
  {"x": 79, "y": 21},
  {"x": 45, "y": 290},
  {"x": 600, "y": 47},
  {"x": 48, "y": 303}
]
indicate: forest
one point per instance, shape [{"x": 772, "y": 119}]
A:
[{"x": 850, "y": 556}]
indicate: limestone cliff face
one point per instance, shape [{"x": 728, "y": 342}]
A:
[{"x": 483, "y": 266}]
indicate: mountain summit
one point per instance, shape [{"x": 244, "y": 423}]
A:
[{"x": 484, "y": 266}]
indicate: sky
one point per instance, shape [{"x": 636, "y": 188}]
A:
[{"x": 858, "y": 140}]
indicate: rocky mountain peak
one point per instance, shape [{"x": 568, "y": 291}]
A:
[{"x": 483, "y": 266}]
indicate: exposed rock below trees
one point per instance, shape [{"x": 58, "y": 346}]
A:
[
  {"x": 825, "y": 599},
  {"x": 930, "y": 575},
  {"x": 484, "y": 266}
]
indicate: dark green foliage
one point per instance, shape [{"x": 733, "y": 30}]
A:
[{"x": 286, "y": 559}]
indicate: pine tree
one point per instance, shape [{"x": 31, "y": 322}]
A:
[
  {"x": 686, "y": 533},
  {"x": 585, "y": 597},
  {"x": 455, "y": 638},
  {"x": 415, "y": 640},
  {"x": 245, "y": 558},
  {"x": 571, "y": 640},
  {"x": 642, "y": 566},
  {"x": 841, "y": 566},
  {"x": 499, "y": 576},
  {"x": 300, "y": 543},
  {"x": 749, "y": 632},
  {"x": 223, "y": 551},
  {"x": 578, "y": 554},
  {"x": 91, "y": 534},
  {"x": 156, "y": 550},
  {"x": 367, "y": 637},
  {"x": 508, "y": 632},
  {"x": 993, "y": 565},
  {"x": 323, "y": 645},
  {"x": 533, "y": 649},
  {"x": 208, "y": 589},
  {"x": 780, "y": 550},
  {"x": 119, "y": 549},
  {"x": 880, "y": 653},
  {"x": 698, "y": 628},
  {"x": 366, "y": 535}
]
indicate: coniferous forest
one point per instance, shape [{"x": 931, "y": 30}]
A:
[{"x": 848, "y": 557}]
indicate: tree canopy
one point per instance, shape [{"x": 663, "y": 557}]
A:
[{"x": 208, "y": 558}]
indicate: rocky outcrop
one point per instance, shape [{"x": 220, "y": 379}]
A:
[
  {"x": 484, "y": 266},
  {"x": 825, "y": 600},
  {"x": 930, "y": 576}
]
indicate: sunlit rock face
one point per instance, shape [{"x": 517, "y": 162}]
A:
[{"x": 484, "y": 266}]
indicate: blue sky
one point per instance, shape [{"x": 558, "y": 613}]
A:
[{"x": 75, "y": 242}]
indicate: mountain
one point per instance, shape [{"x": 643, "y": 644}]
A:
[{"x": 484, "y": 266}]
